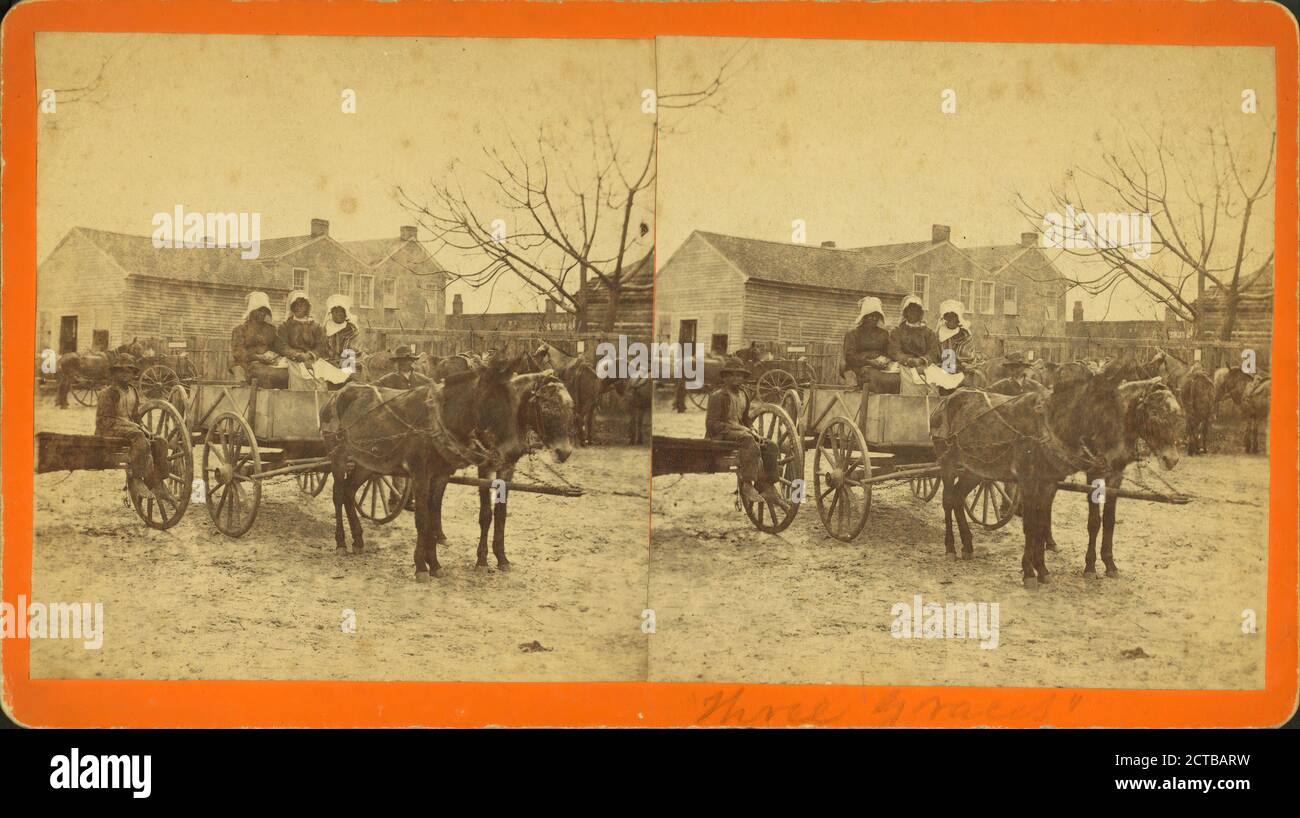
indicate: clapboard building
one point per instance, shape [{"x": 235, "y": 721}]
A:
[
  {"x": 99, "y": 289},
  {"x": 726, "y": 291}
]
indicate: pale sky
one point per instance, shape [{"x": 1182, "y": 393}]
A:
[
  {"x": 254, "y": 123},
  {"x": 849, "y": 137}
]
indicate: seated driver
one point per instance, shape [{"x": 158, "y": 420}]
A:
[
  {"x": 147, "y": 462},
  {"x": 756, "y": 459}
]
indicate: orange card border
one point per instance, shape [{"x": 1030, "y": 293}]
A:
[{"x": 84, "y": 703}]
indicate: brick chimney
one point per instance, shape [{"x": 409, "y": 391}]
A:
[
  {"x": 1028, "y": 239},
  {"x": 408, "y": 232},
  {"x": 1078, "y": 307},
  {"x": 939, "y": 233},
  {"x": 550, "y": 307},
  {"x": 320, "y": 227},
  {"x": 457, "y": 306},
  {"x": 829, "y": 244}
]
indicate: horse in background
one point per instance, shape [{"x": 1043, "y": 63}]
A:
[
  {"x": 580, "y": 378},
  {"x": 91, "y": 366},
  {"x": 1251, "y": 393},
  {"x": 1195, "y": 391}
]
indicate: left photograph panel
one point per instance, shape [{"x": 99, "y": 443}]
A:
[{"x": 328, "y": 358}]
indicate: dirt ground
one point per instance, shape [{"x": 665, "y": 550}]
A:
[
  {"x": 191, "y": 603},
  {"x": 735, "y": 605}
]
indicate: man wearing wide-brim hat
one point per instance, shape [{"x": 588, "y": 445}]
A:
[
  {"x": 405, "y": 376},
  {"x": 1017, "y": 380},
  {"x": 147, "y": 462},
  {"x": 255, "y": 345},
  {"x": 866, "y": 349},
  {"x": 728, "y": 419}
]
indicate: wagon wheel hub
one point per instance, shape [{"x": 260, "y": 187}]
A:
[
  {"x": 225, "y": 473},
  {"x": 835, "y": 478}
]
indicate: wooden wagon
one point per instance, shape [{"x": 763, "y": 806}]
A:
[
  {"x": 860, "y": 439},
  {"x": 250, "y": 435}
]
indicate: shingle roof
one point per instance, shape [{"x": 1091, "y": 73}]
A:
[
  {"x": 883, "y": 254},
  {"x": 858, "y": 270},
  {"x": 137, "y": 255}
]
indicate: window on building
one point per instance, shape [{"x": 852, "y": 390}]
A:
[
  {"x": 345, "y": 284},
  {"x": 921, "y": 289},
  {"x": 365, "y": 291},
  {"x": 1009, "y": 299},
  {"x": 1049, "y": 310},
  {"x": 718, "y": 343},
  {"x": 390, "y": 293},
  {"x": 300, "y": 278},
  {"x": 966, "y": 294},
  {"x": 100, "y": 340},
  {"x": 665, "y": 328},
  {"x": 987, "y": 289}
]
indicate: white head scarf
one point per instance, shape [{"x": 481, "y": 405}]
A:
[
  {"x": 867, "y": 306},
  {"x": 911, "y": 299},
  {"x": 954, "y": 306},
  {"x": 337, "y": 300},
  {"x": 256, "y": 301},
  {"x": 294, "y": 296}
]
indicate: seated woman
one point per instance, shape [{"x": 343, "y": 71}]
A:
[
  {"x": 915, "y": 347},
  {"x": 866, "y": 349},
  {"x": 300, "y": 335},
  {"x": 341, "y": 344},
  {"x": 955, "y": 334},
  {"x": 255, "y": 345}
]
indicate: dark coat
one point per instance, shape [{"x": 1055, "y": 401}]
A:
[
  {"x": 396, "y": 380},
  {"x": 253, "y": 338},
  {"x": 863, "y": 344},
  {"x": 914, "y": 342}
]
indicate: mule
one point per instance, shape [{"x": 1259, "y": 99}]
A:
[
  {"x": 1152, "y": 415},
  {"x": 636, "y": 395},
  {"x": 91, "y": 366},
  {"x": 429, "y": 432},
  {"x": 1035, "y": 439},
  {"x": 545, "y": 421}
]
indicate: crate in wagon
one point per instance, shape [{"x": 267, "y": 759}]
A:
[{"x": 899, "y": 420}]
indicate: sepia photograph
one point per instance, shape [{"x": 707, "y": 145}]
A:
[
  {"x": 985, "y": 334},
  {"x": 317, "y": 330}
]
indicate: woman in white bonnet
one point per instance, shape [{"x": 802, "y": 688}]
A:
[
  {"x": 955, "y": 334},
  {"x": 341, "y": 334}
]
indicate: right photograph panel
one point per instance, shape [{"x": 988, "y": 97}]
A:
[{"x": 976, "y": 344}]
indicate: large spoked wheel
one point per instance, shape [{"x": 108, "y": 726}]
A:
[
  {"x": 840, "y": 466},
  {"x": 775, "y": 425},
  {"x": 700, "y": 397},
  {"x": 231, "y": 460},
  {"x": 382, "y": 497},
  {"x": 165, "y": 508},
  {"x": 992, "y": 503},
  {"x": 157, "y": 381},
  {"x": 312, "y": 482},
  {"x": 773, "y": 383},
  {"x": 924, "y": 488},
  {"x": 84, "y": 392}
]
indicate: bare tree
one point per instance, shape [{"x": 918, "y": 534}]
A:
[
  {"x": 1200, "y": 196},
  {"x": 571, "y": 207}
]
